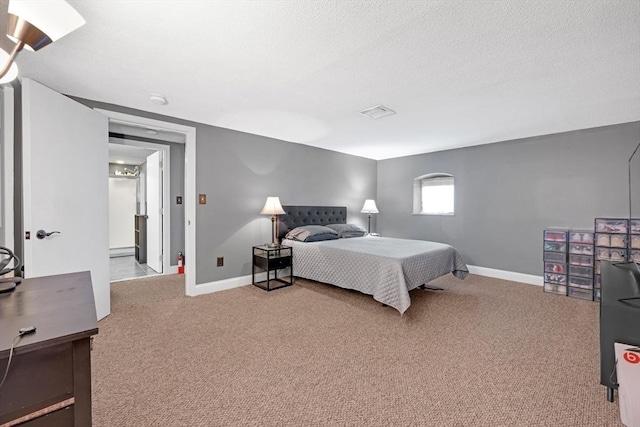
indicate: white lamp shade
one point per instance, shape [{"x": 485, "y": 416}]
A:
[
  {"x": 55, "y": 18},
  {"x": 13, "y": 70},
  {"x": 273, "y": 207},
  {"x": 369, "y": 207}
]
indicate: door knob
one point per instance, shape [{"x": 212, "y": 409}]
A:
[{"x": 41, "y": 234}]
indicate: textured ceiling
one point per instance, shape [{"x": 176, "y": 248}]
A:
[{"x": 458, "y": 73}]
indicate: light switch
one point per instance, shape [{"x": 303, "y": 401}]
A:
[{"x": 202, "y": 199}]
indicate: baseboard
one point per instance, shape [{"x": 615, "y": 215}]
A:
[
  {"x": 221, "y": 285},
  {"x": 236, "y": 282},
  {"x": 173, "y": 269},
  {"x": 121, "y": 252},
  {"x": 506, "y": 275}
]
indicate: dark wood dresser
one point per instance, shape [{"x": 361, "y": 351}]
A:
[{"x": 49, "y": 380}]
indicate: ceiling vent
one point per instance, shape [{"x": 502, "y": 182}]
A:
[{"x": 377, "y": 112}]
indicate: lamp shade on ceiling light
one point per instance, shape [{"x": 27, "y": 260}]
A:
[
  {"x": 369, "y": 207},
  {"x": 272, "y": 207},
  {"x": 54, "y": 18},
  {"x": 34, "y": 25},
  {"x": 13, "y": 70}
]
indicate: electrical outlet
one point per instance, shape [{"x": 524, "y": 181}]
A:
[{"x": 220, "y": 261}]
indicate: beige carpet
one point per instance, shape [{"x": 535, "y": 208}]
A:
[{"x": 486, "y": 352}]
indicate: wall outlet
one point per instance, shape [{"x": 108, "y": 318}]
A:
[{"x": 220, "y": 261}]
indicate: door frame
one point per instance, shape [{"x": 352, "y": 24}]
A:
[
  {"x": 166, "y": 196},
  {"x": 189, "y": 187}
]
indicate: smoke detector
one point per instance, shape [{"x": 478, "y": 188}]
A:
[
  {"x": 158, "y": 99},
  {"x": 377, "y": 112}
]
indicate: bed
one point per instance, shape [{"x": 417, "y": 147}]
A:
[{"x": 386, "y": 268}]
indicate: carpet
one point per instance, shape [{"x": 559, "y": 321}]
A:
[{"x": 485, "y": 352}]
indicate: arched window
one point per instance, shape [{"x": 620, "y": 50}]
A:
[{"x": 433, "y": 194}]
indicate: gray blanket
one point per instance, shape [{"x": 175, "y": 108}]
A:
[{"x": 383, "y": 267}]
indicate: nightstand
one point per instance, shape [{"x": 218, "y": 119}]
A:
[{"x": 266, "y": 258}]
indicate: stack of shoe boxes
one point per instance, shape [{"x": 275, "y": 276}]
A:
[
  {"x": 555, "y": 261},
  {"x": 612, "y": 244},
  {"x": 580, "y": 271}
]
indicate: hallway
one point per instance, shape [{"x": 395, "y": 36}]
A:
[{"x": 126, "y": 267}]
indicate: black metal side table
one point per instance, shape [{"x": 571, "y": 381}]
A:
[{"x": 267, "y": 258}]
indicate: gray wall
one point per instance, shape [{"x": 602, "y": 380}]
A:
[
  {"x": 507, "y": 193},
  {"x": 237, "y": 171}
]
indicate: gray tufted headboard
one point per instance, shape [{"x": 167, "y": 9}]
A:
[{"x": 310, "y": 215}]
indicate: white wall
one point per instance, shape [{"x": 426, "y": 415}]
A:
[{"x": 122, "y": 208}]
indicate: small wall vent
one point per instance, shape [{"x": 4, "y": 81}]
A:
[{"x": 377, "y": 112}]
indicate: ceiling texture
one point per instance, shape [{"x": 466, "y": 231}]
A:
[
  {"x": 458, "y": 73},
  {"x": 126, "y": 154}
]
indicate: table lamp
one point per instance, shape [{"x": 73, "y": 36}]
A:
[
  {"x": 274, "y": 208},
  {"x": 369, "y": 208}
]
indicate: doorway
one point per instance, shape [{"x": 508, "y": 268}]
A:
[
  {"x": 187, "y": 201},
  {"x": 136, "y": 200},
  {"x": 155, "y": 160}
]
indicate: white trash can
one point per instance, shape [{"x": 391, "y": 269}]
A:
[{"x": 628, "y": 373}]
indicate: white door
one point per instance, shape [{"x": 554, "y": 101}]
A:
[
  {"x": 154, "y": 211},
  {"x": 65, "y": 188}
]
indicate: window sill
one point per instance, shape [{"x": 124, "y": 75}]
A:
[{"x": 433, "y": 214}]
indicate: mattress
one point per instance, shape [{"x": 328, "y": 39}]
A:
[{"x": 386, "y": 268}]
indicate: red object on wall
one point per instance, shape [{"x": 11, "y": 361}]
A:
[{"x": 180, "y": 263}]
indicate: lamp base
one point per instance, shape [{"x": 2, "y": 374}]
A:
[{"x": 273, "y": 245}]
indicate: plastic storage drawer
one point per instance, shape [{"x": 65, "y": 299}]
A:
[
  {"x": 581, "y": 236},
  {"x": 581, "y": 282},
  {"x": 575, "y": 270},
  {"x": 555, "y": 257},
  {"x": 612, "y": 225},
  {"x": 585, "y": 294},
  {"x": 611, "y": 240},
  {"x": 555, "y": 279},
  {"x": 555, "y": 246},
  {"x": 555, "y": 235},
  {"x": 583, "y": 260},
  {"x": 554, "y": 267},
  {"x": 555, "y": 289},
  {"x": 611, "y": 254},
  {"x": 580, "y": 249}
]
